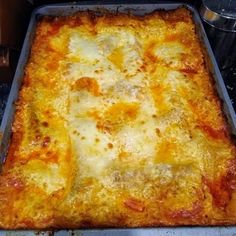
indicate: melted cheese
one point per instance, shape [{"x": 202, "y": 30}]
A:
[
  {"x": 117, "y": 125},
  {"x": 84, "y": 48},
  {"x": 95, "y": 150},
  {"x": 47, "y": 176}
]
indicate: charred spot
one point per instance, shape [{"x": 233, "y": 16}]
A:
[
  {"x": 143, "y": 66},
  {"x": 86, "y": 223},
  {"x": 75, "y": 22},
  {"x": 26, "y": 81},
  {"x": 45, "y": 124},
  {"x": 105, "y": 127},
  {"x": 38, "y": 136},
  {"x": 46, "y": 141},
  {"x": 76, "y": 132},
  {"x": 34, "y": 122},
  {"x": 56, "y": 24},
  {"x": 158, "y": 132},
  {"x": 188, "y": 70},
  {"x": 93, "y": 18},
  {"x": 110, "y": 145},
  {"x": 48, "y": 113}
]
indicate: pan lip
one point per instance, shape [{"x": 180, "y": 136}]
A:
[{"x": 26, "y": 50}]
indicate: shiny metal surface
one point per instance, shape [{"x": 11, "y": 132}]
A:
[
  {"x": 219, "y": 15},
  {"x": 223, "y": 45}
]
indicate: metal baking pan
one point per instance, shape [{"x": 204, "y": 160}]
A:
[{"x": 138, "y": 9}]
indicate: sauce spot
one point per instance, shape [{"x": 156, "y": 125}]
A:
[
  {"x": 88, "y": 84},
  {"x": 134, "y": 204},
  {"x": 116, "y": 57}
]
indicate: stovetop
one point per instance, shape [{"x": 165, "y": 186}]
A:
[
  {"x": 4, "y": 92},
  {"x": 228, "y": 74}
]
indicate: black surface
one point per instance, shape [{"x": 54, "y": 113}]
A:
[
  {"x": 229, "y": 76},
  {"x": 224, "y": 47},
  {"x": 224, "y": 55},
  {"x": 4, "y": 91}
]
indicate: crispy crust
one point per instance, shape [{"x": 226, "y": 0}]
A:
[{"x": 182, "y": 171}]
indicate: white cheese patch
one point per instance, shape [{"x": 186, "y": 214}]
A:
[
  {"x": 122, "y": 82},
  {"x": 84, "y": 48},
  {"x": 83, "y": 102},
  {"x": 46, "y": 176},
  {"x": 107, "y": 42},
  {"x": 132, "y": 60},
  {"x": 95, "y": 150},
  {"x": 139, "y": 139},
  {"x": 170, "y": 52}
]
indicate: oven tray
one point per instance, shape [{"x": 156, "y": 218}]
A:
[{"x": 138, "y": 9}]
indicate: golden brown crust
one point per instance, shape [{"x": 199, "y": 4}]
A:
[{"x": 118, "y": 125}]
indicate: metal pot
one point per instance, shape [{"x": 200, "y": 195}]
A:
[{"x": 220, "y": 18}]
